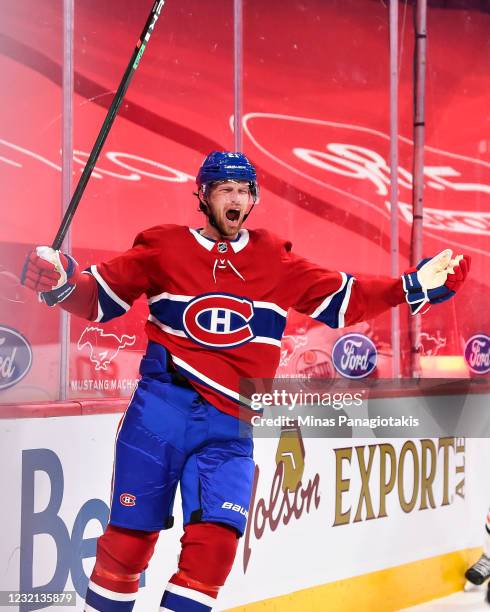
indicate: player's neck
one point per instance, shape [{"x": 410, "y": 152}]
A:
[{"x": 209, "y": 231}]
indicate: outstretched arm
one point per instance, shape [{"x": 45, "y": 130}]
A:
[
  {"x": 99, "y": 293},
  {"x": 373, "y": 296},
  {"x": 339, "y": 299},
  {"x": 434, "y": 280}
]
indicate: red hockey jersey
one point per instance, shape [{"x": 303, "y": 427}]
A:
[{"x": 220, "y": 308}]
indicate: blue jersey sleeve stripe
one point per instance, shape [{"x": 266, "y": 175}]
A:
[
  {"x": 345, "y": 301},
  {"x": 332, "y": 310},
  {"x": 114, "y": 297},
  {"x": 326, "y": 302},
  {"x": 109, "y": 304}
]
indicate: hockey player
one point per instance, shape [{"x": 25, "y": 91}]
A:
[
  {"x": 479, "y": 572},
  {"x": 218, "y": 299}
]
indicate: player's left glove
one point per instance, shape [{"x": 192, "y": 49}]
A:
[
  {"x": 51, "y": 273},
  {"x": 435, "y": 280}
]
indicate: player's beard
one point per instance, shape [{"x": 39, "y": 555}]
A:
[{"x": 227, "y": 229}]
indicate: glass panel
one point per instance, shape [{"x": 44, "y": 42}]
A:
[
  {"x": 30, "y": 170},
  {"x": 176, "y": 110},
  {"x": 457, "y": 179},
  {"x": 316, "y": 121}
]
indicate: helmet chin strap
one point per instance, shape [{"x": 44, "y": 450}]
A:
[
  {"x": 204, "y": 206},
  {"x": 245, "y": 217}
]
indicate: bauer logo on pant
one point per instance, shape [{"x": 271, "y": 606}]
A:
[
  {"x": 235, "y": 508},
  {"x": 127, "y": 499}
]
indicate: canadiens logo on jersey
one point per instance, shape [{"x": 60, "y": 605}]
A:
[{"x": 219, "y": 320}]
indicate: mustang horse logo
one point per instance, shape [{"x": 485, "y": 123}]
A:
[{"x": 103, "y": 347}]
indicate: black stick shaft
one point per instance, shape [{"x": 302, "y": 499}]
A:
[{"x": 108, "y": 121}]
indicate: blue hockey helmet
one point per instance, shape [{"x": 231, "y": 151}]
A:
[{"x": 227, "y": 166}]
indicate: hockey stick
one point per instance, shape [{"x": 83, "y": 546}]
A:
[{"x": 108, "y": 121}]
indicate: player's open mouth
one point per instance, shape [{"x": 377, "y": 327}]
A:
[{"x": 233, "y": 214}]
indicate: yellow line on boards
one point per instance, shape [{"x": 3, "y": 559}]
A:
[{"x": 386, "y": 590}]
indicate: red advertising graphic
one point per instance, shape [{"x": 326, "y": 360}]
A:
[{"x": 315, "y": 123}]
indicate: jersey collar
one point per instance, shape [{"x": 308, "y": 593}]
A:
[{"x": 237, "y": 245}]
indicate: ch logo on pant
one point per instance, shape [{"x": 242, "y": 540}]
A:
[
  {"x": 219, "y": 320},
  {"x": 127, "y": 499}
]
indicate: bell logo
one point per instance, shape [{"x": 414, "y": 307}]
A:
[
  {"x": 219, "y": 320},
  {"x": 127, "y": 499}
]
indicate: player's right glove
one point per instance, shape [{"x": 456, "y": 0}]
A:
[
  {"x": 435, "y": 280},
  {"x": 52, "y": 274}
]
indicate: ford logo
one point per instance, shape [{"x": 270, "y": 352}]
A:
[
  {"x": 15, "y": 357},
  {"x": 477, "y": 353},
  {"x": 354, "y": 355}
]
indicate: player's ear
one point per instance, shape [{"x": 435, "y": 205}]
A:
[{"x": 203, "y": 193}]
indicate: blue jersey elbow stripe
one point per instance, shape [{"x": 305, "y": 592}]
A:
[
  {"x": 109, "y": 308},
  {"x": 333, "y": 314},
  {"x": 110, "y": 305}
]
